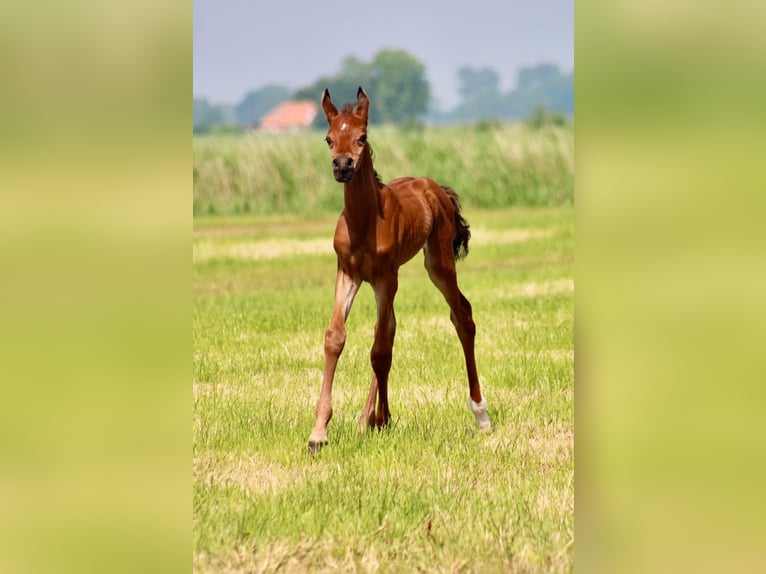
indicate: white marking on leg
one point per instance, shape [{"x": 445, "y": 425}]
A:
[{"x": 480, "y": 412}]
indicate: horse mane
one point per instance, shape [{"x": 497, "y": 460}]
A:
[{"x": 375, "y": 171}]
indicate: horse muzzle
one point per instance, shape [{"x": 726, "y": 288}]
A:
[{"x": 343, "y": 168}]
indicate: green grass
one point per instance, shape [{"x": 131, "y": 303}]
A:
[
  {"x": 428, "y": 494},
  {"x": 501, "y": 166}
]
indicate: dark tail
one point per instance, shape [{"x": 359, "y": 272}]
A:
[{"x": 462, "y": 229}]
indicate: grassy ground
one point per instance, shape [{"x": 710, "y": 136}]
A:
[
  {"x": 490, "y": 166},
  {"x": 428, "y": 494}
]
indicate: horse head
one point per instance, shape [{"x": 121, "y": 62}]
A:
[{"x": 347, "y": 135}]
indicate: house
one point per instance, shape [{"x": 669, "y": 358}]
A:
[{"x": 290, "y": 117}]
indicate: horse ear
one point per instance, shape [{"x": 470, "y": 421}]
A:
[
  {"x": 362, "y": 103},
  {"x": 330, "y": 111}
]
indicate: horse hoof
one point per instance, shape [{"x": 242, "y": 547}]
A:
[
  {"x": 365, "y": 423},
  {"x": 315, "y": 446},
  {"x": 485, "y": 428}
]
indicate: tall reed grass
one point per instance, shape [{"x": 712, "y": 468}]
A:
[{"x": 488, "y": 165}]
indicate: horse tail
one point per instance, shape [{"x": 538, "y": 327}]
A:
[{"x": 462, "y": 229}]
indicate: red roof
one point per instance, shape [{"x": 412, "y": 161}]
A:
[{"x": 290, "y": 115}]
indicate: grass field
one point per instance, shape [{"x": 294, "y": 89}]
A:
[
  {"x": 428, "y": 494},
  {"x": 491, "y": 166}
]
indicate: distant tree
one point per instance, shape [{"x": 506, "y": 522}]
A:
[
  {"x": 229, "y": 113},
  {"x": 353, "y": 69},
  {"x": 205, "y": 114},
  {"x": 543, "y": 85},
  {"x": 399, "y": 86},
  {"x": 538, "y": 77},
  {"x": 489, "y": 105},
  {"x": 394, "y": 80},
  {"x": 564, "y": 97},
  {"x": 478, "y": 82},
  {"x": 481, "y": 97},
  {"x": 538, "y": 87},
  {"x": 258, "y": 103}
]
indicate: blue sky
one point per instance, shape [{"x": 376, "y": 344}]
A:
[{"x": 243, "y": 45}]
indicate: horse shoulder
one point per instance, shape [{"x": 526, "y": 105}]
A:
[{"x": 341, "y": 240}]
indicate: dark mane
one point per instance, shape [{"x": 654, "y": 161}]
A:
[{"x": 375, "y": 171}]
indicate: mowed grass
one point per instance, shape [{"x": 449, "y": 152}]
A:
[{"x": 428, "y": 494}]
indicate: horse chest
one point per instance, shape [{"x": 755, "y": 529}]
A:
[{"x": 368, "y": 264}]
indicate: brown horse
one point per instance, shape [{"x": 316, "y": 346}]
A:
[{"x": 381, "y": 228}]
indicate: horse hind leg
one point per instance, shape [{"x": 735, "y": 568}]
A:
[
  {"x": 440, "y": 264},
  {"x": 367, "y": 419},
  {"x": 382, "y": 348}
]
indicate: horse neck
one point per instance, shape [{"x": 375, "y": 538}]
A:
[{"x": 361, "y": 195}]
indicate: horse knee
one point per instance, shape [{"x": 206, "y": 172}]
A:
[
  {"x": 334, "y": 341},
  {"x": 465, "y": 327},
  {"x": 466, "y": 304},
  {"x": 391, "y": 331},
  {"x": 470, "y": 327}
]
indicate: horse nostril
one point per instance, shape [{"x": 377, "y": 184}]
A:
[{"x": 343, "y": 163}]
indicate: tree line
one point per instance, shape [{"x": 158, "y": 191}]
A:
[{"x": 397, "y": 83}]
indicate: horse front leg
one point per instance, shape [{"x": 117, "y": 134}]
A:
[
  {"x": 346, "y": 288},
  {"x": 367, "y": 418},
  {"x": 382, "y": 348}
]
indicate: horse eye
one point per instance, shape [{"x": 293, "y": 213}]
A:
[
  {"x": 363, "y": 139},
  {"x": 328, "y": 140}
]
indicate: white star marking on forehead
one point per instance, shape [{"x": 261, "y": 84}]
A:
[{"x": 343, "y": 127}]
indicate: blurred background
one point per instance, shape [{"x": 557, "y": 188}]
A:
[
  {"x": 95, "y": 176},
  {"x": 482, "y": 102},
  {"x": 424, "y": 62}
]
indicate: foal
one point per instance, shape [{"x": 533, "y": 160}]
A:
[{"x": 381, "y": 228}]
